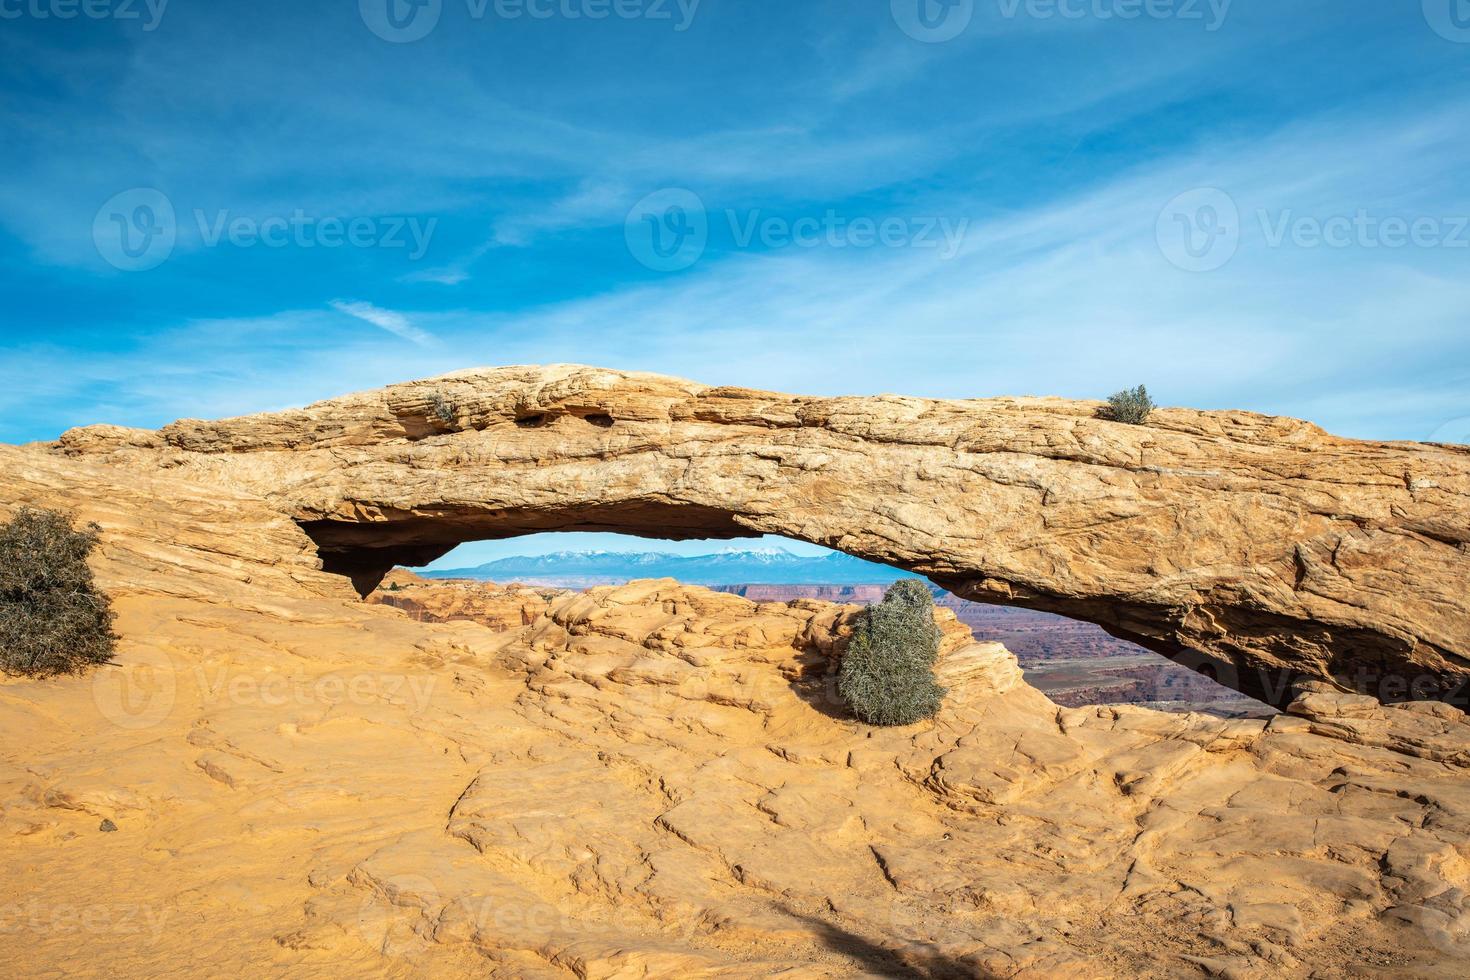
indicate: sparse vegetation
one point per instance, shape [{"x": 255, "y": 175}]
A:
[
  {"x": 442, "y": 408},
  {"x": 1131, "y": 405},
  {"x": 53, "y": 620},
  {"x": 887, "y": 673}
]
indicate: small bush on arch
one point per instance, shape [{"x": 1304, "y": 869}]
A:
[{"x": 1131, "y": 406}]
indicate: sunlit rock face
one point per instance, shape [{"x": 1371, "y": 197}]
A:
[
  {"x": 655, "y": 780},
  {"x": 1261, "y": 550}
]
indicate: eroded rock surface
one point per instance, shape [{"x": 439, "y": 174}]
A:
[
  {"x": 1261, "y": 549},
  {"x": 655, "y": 781},
  {"x": 495, "y": 606}
]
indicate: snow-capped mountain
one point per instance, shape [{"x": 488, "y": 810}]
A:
[{"x": 765, "y": 566}]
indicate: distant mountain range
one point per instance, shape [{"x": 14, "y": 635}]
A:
[{"x": 763, "y": 566}]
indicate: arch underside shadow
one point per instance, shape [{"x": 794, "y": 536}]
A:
[{"x": 365, "y": 551}]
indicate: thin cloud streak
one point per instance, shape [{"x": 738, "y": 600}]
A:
[
  {"x": 1072, "y": 298},
  {"x": 389, "y": 320}
]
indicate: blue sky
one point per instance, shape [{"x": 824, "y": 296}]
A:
[{"x": 212, "y": 208}]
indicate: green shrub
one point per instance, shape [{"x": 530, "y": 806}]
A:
[
  {"x": 887, "y": 673},
  {"x": 1131, "y": 405},
  {"x": 52, "y": 618}
]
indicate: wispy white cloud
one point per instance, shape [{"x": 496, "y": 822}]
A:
[
  {"x": 860, "y": 117},
  {"x": 1071, "y": 297},
  {"x": 1060, "y": 287},
  {"x": 390, "y": 320}
]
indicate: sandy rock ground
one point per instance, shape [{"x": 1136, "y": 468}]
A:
[{"x": 656, "y": 781}]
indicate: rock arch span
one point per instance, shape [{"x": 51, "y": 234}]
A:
[{"x": 1260, "y": 549}]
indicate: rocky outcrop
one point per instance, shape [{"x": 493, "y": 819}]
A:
[
  {"x": 654, "y": 780},
  {"x": 657, "y": 781},
  {"x": 1261, "y": 550},
  {"x": 486, "y": 603}
]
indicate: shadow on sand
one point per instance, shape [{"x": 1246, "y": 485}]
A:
[{"x": 914, "y": 963}]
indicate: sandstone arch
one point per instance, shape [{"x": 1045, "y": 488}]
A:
[{"x": 1259, "y": 548}]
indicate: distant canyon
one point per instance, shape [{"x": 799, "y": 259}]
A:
[{"x": 1074, "y": 663}]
